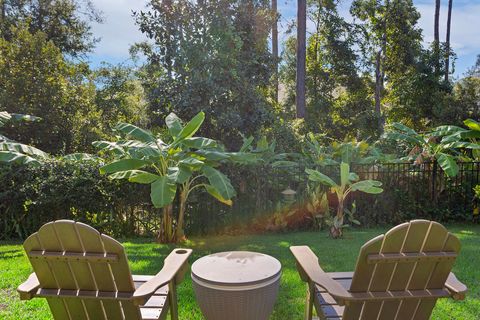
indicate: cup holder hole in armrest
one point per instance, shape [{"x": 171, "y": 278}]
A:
[{"x": 181, "y": 251}]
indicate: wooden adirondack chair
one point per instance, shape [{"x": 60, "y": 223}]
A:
[
  {"x": 399, "y": 275},
  {"x": 85, "y": 275}
]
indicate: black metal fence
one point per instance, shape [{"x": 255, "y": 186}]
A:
[
  {"x": 410, "y": 192},
  {"x": 32, "y": 196}
]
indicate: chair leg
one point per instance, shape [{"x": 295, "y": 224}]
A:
[
  {"x": 172, "y": 297},
  {"x": 309, "y": 301}
]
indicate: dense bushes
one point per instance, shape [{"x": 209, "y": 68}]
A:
[
  {"x": 31, "y": 196},
  {"x": 416, "y": 192}
]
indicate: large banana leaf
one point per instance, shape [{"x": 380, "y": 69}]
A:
[
  {"x": 316, "y": 176},
  {"x": 179, "y": 174},
  {"x": 461, "y": 145},
  {"x": 441, "y": 131},
  {"x": 135, "y": 132},
  {"x": 4, "y": 118},
  {"x": 403, "y": 128},
  {"x": 79, "y": 157},
  {"x": 220, "y": 182},
  {"x": 367, "y": 186},
  {"x": 115, "y": 147},
  {"x": 214, "y": 193},
  {"x": 192, "y": 163},
  {"x": 192, "y": 126},
  {"x": 24, "y": 149},
  {"x": 174, "y": 124},
  {"x": 138, "y": 176},
  {"x": 243, "y": 157},
  {"x": 247, "y": 142},
  {"x": 162, "y": 192},
  {"x": 212, "y": 155},
  {"x": 123, "y": 165},
  {"x": 448, "y": 164},
  {"x": 344, "y": 173},
  {"x": 472, "y": 124},
  {"x": 18, "y": 158},
  {"x": 200, "y": 143},
  {"x": 398, "y": 136}
]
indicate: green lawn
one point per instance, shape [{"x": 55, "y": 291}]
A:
[{"x": 146, "y": 257}]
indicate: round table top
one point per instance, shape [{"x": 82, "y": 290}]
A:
[{"x": 236, "y": 268}]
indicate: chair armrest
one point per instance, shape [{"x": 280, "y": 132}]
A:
[
  {"x": 310, "y": 271},
  {"x": 28, "y": 289},
  {"x": 456, "y": 288},
  {"x": 173, "y": 269}
]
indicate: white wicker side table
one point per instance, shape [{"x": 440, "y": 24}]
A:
[{"x": 236, "y": 285}]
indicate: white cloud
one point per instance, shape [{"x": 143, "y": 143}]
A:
[
  {"x": 465, "y": 37},
  {"x": 118, "y": 32}
]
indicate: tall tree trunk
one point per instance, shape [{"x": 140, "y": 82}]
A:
[
  {"x": 301, "y": 56},
  {"x": 275, "y": 47},
  {"x": 317, "y": 35},
  {"x": 378, "y": 89},
  {"x": 436, "y": 36},
  {"x": 447, "y": 40},
  {"x": 380, "y": 71},
  {"x": 3, "y": 15}
]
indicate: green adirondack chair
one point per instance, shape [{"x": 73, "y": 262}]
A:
[
  {"x": 85, "y": 275},
  {"x": 399, "y": 275}
]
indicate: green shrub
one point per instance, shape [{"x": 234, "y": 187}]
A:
[{"x": 33, "y": 195}]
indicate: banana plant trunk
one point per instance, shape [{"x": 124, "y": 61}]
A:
[
  {"x": 336, "y": 228},
  {"x": 166, "y": 233},
  {"x": 179, "y": 232}
]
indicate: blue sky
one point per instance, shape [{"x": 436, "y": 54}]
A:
[{"x": 118, "y": 31}]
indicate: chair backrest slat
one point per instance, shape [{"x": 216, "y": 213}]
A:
[
  {"x": 100, "y": 273},
  {"x": 382, "y": 276},
  {"x": 416, "y": 232},
  {"x": 410, "y": 257},
  {"x": 417, "y": 255},
  {"x": 47, "y": 278},
  {"x": 72, "y": 242},
  {"x": 73, "y": 256},
  {"x": 361, "y": 278}
]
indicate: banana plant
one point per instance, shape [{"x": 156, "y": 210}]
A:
[
  {"x": 353, "y": 151},
  {"x": 173, "y": 165},
  {"x": 349, "y": 182},
  {"x": 442, "y": 145},
  {"x": 472, "y": 135},
  {"x": 15, "y": 152}
]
